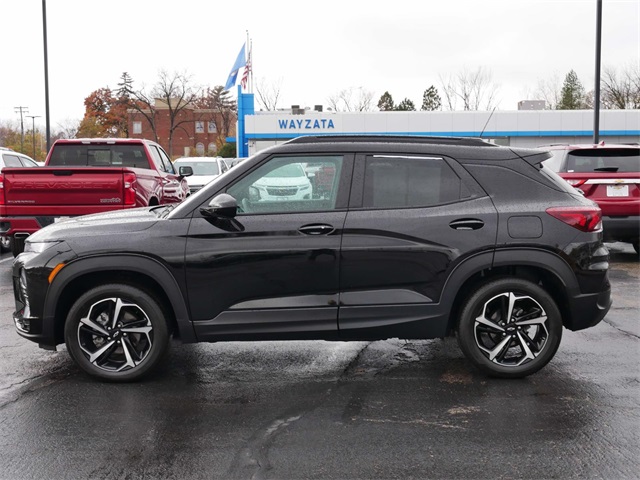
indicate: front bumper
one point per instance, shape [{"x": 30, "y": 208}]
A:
[{"x": 30, "y": 286}]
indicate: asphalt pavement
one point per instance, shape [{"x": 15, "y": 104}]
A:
[{"x": 391, "y": 409}]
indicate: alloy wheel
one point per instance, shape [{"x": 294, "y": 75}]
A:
[
  {"x": 511, "y": 329},
  {"x": 115, "y": 335}
]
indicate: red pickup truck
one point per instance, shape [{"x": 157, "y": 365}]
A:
[
  {"x": 608, "y": 174},
  {"x": 86, "y": 176}
]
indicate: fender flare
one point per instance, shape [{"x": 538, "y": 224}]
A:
[
  {"x": 508, "y": 257},
  {"x": 122, "y": 263}
]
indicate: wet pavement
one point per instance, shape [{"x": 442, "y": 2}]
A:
[{"x": 289, "y": 410}]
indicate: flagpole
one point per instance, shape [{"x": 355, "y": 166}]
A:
[
  {"x": 251, "y": 71},
  {"x": 246, "y": 60}
]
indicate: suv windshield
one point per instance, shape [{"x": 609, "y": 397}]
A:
[{"x": 618, "y": 160}]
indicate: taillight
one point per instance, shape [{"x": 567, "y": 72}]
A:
[
  {"x": 576, "y": 182},
  {"x": 1, "y": 189},
  {"x": 587, "y": 219},
  {"x": 129, "y": 188}
]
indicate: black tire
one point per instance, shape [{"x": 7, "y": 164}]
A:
[
  {"x": 636, "y": 246},
  {"x": 119, "y": 349},
  {"x": 16, "y": 245},
  {"x": 509, "y": 347}
]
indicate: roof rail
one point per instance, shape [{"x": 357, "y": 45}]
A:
[{"x": 462, "y": 141}]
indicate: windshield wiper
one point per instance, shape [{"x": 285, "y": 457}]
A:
[{"x": 606, "y": 169}]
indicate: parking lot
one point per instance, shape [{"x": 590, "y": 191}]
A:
[{"x": 387, "y": 409}]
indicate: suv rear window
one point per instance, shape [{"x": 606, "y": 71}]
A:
[
  {"x": 618, "y": 160},
  {"x": 98, "y": 156}
]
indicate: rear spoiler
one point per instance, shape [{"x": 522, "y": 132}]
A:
[{"x": 533, "y": 157}]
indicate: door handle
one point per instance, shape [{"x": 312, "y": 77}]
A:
[
  {"x": 316, "y": 229},
  {"x": 467, "y": 224}
]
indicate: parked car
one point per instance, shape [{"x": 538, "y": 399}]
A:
[
  {"x": 83, "y": 176},
  {"x": 284, "y": 183},
  {"x": 10, "y": 158},
  {"x": 204, "y": 169},
  {"x": 608, "y": 174},
  {"x": 415, "y": 238}
]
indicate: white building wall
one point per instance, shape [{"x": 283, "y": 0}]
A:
[{"x": 524, "y": 128}]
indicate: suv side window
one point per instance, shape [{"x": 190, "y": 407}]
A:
[
  {"x": 286, "y": 185},
  {"x": 11, "y": 160},
  {"x": 403, "y": 181},
  {"x": 167, "y": 165}
]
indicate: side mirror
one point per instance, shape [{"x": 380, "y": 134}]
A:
[
  {"x": 222, "y": 206},
  {"x": 185, "y": 171}
]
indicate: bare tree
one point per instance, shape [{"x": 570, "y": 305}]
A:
[
  {"x": 621, "y": 91},
  {"x": 67, "y": 128},
  {"x": 175, "y": 92},
  {"x": 352, "y": 99},
  {"x": 474, "y": 89},
  {"x": 223, "y": 111},
  {"x": 268, "y": 94},
  {"x": 550, "y": 90}
]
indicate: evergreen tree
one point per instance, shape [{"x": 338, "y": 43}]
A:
[
  {"x": 431, "y": 99},
  {"x": 572, "y": 96},
  {"x": 406, "y": 105},
  {"x": 385, "y": 104}
]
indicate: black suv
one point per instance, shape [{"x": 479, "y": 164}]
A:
[{"x": 387, "y": 236}]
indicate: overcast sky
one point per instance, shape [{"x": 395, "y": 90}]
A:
[{"x": 311, "y": 49}]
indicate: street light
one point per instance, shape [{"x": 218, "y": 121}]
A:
[
  {"x": 596, "y": 99},
  {"x": 33, "y": 132}
]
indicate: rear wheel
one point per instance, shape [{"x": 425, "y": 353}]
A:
[
  {"x": 116, "y": 332},
  {"x": 509, "y": 328}
]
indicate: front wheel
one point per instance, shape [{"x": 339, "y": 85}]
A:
[
  {"x": 116, "y": 332},
  {"x": 509, "y": 328}
]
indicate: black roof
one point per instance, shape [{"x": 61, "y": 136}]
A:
[{"x": 461, "y": 141}]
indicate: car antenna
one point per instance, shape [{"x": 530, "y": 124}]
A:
[{"x": 487, "y": 123}]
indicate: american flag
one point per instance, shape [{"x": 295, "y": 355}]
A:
[{"x": 247, "y": 70}]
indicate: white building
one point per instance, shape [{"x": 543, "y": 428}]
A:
[{"x": 521, "y": 128}]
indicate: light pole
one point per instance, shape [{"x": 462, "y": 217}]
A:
[
  {"x": 33, "y": 133},
  {"x": 596, "y": 96},
  {"x": 22, "y": 111},
  {"x": 46, "y": 73}
]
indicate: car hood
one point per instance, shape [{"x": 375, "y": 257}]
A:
[
  {"x": 194, "y": 180},
  {"x": 113, "y": 222}
]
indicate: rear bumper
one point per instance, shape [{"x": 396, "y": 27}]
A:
[
  {"x": 9, "y": 226},
  {"x": 588, "y": 309},
  {"x": 621, "y": 228}
]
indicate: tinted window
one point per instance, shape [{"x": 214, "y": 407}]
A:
[
  {"x": 397, "y": 182},
  {"x": 283, "y": 185},
  {"x": 98, "y": 156},
  {"x": 167, "y": 166},
  {"x": 615, "y": 160}
]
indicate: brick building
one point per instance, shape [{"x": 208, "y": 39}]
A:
[{"x": 199, "y": 132}]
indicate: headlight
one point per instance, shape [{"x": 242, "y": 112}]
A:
[{"x": 38, "y": 247}]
